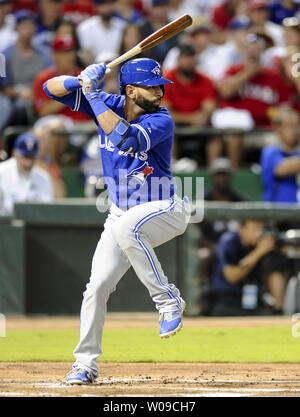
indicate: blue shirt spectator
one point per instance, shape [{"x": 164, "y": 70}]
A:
[
  {"x": 280, "y": 164},
  {"x": 276, "y": 189},
  {"x": 247, "y": 262},
  {"x": 230, "y": 250},
  {"x": 279, "y": 10}
]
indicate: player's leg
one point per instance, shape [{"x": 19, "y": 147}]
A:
[
  {"x": 109, "y": 264},
  {"x": 141, "y": 229}
]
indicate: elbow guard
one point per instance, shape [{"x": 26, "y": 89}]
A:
[
  {"x": 45, "y": 88},
  {"x": 127, "y": 138}
]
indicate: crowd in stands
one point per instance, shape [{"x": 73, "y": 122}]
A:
[{"x": 236, "y": 75}]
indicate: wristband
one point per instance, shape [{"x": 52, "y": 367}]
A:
[
  {"x": 71, "y": 83},
  {"x": 97, "y": 105}
]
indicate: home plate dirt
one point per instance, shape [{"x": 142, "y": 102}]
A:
[{"x": 151, "y": 379}]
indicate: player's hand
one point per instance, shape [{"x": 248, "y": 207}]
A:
[
  {"x": 91, "y": 76},
  {"x": 266, "y": 244}
]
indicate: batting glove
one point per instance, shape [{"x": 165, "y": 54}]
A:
[{"x": 91, "y": 76}]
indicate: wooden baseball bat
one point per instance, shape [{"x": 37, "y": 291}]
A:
[{"x": 161, "y": 35}]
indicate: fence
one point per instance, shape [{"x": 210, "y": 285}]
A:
[{"x": 46, "y": 252}]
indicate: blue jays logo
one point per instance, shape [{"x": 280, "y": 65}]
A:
[
  {"x": 140, "y": 173},
  {"x": 157, "y": 71}
]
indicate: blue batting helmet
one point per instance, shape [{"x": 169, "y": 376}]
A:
[{"x": 141, "y": 71}]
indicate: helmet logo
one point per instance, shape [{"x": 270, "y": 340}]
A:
[{"x": 157, "y": 71}]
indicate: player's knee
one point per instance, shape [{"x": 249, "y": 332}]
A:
[
  {"x": 100, "y": 288},
  {"x": 123, "y": 236}
]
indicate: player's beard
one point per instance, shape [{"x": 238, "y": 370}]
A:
[{"x": 149, "y": 106}]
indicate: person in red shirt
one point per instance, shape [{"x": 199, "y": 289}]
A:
[
  {"x": 289, "y": 68},
  {"x": 78, "y": 10},
  {"x": 64, "y": 55},
  {"x": 192, "y": 98},
  {"x": 223, "y": 13},
  {"x": 248, "y": 95}
]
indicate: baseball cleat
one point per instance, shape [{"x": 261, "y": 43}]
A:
[
  {"x": 80, "y": 377},
  {"x": 171, "y": 322}
]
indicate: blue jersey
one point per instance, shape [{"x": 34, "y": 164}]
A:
[
  {"x": 278, "y": 189},
  {"x": 133, "y": 178}
]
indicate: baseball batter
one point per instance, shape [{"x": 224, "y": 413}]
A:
[{"x": 136, "y": 136}]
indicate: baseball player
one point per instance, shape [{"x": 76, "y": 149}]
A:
[{"x": 136, "y": 136}]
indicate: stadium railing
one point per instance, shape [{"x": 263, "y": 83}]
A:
[{"x": 54, "y": 244}]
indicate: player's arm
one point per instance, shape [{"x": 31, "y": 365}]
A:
[
  {"x": 58, "y": 86},
  {"x": 126, "y": 137},
  {"x": 65, "y": 91}
]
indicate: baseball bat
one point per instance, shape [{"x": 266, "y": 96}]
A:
[{"x": 161, "y": 35}]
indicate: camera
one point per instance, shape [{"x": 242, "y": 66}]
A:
[{"x": 289, "y": 237}]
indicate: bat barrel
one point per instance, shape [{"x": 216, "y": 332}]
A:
[{"x": 168, "y": 31}]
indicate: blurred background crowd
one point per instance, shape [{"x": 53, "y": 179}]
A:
[{"x": 235, "y": 102}]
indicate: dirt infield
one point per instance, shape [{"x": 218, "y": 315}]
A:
[{"x": 151, "y": 379}]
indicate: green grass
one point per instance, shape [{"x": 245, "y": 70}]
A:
[{"x": 264, "y": 344}]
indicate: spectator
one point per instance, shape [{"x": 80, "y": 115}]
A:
[
  {"x": 258, "y": 11},
  {"x": 67, "y": 27},
  {"x": 64, "y": 54},
  {"x": 51, "y": 146},
  {"x": 102, "y": 32},
  {"x": 50, "y": 12},
  {"x": 291, "y": 37},
  {"x": 30, "y": 5},
  {"x": 91, "y": 168},
  {"x": 280, "y": 163},
  {"x": 280, "y": 9},
  {"x": 110, "y": 83},
  {"x": 195, "y": 8},
  {"x": 76, "y": 11},
  {"x": 8, "y": 35},
  {"x": 249, "y": 92},
  {"x": 192, "y": 98},
  {"x": 158, "y": 17},
  {"x": 247, "y": 261},
  {"x": 200, "y": 35},
  {"x": 230, "y": 53},
  {"x": 288, "y": 69},
  {"x": 221, "y": 174},
  {"x": 291, "y": 32},
  {"x": 20, "y": 179},
  {"x": 223, "y": 13},
  {"x": 125, "y": 10},
  {"x": 131, "y": 37},
  {"x": 23, "y": 63}
]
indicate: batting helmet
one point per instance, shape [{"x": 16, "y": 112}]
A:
[{"x": 141, "y": 71}]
